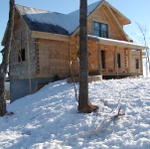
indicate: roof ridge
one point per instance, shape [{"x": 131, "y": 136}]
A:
[
  {"x": 39, "y": 9},
  {"x": 98, "y": 1}
]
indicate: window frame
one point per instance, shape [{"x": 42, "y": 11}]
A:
[{"x": 100, "y": 31}]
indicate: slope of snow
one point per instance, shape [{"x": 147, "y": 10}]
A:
[{"x": 48, "y": 119}]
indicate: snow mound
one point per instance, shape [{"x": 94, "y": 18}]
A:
[{"x": 48, "y": 119}]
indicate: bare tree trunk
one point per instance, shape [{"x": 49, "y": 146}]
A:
[
  {"x": 2, "y": 97},
  {"x": 143, "y": 32},
  {"x": 84, "y": 104},
  {"x": 5, "y": 61}
]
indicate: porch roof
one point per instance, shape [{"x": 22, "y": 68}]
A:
[{"x": 114, "y": 42}]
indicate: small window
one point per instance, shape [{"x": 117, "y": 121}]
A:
[
  {"x": 21, "y": 55},
  {"x": 100, "y": 29},
  {"x": 137, "y": 64},
  {"x": 119, "y": 60}
]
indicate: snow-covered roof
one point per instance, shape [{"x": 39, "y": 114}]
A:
[{"x": 42, "y": 20}]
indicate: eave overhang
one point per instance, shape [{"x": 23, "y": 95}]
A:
[
  {"x": 49, "y": 36},
  {"x": 118, "y": 43}
]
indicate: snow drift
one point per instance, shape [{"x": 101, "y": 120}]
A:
[{"x": 48, "y": 119}]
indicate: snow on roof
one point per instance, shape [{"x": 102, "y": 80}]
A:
[
  {"x": 67, "y": 23},
  {"x": 118, "y": 42}
]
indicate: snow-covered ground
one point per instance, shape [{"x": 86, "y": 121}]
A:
[{"x": 48, "y": 119}]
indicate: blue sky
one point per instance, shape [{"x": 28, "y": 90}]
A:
[{"x": 137, "y": 11}]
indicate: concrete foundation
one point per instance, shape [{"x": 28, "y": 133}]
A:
[{"x": 20, "y": 88}]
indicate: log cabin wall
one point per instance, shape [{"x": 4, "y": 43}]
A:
[
  {"x": 127, "y": 59},
  {"x": 19, "y": 61},
  {"x": 103, "y": 15},
  {"x": 136, "y": 65},
  {"x": 53, "y": 58}
]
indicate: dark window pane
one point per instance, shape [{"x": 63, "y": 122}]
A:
[
  {"x": 96, "y": 26},
  {"x": 21, "y": 55},
  {"x": 104, "y": 27},
  {"x": 137, "y": 63},
  {"x": 103, "y": 58},
  {"x": 104, "y": 30},
  {"x": 96, "y": 32},
  {"x": 96, "y": 29},
  {"x": 119, "y": 60},
  {"x": 104, "y": 34}
]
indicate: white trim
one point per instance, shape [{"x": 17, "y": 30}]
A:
[{"x": 119, "y": 43}]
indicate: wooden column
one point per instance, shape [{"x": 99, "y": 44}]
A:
[
  {"x": 141, "y": 62},
  {"x": 99, "y": 58},
  {"x": 115, "y": 59}
]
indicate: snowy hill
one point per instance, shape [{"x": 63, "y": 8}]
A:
[{"x": 48, "y": 119}]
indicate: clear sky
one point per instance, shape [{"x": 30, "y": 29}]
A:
[{"x": 138, "y": 11}]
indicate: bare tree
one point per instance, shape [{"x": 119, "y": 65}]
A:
[
  {"x": 143, "y": 33},
  {"x": 5, "y": 60},
  {"x": 84, "y": 105}
]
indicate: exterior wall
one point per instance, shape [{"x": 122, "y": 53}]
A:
[
  {"x": 133, "y": 56},
  {"x": 110, "y": 59},
  {"x": 20, "y": 70},
  {"x": 53, "y": 58},
  {"x": 20, "y": 88},
  {"x": 103, "y": 15},
  {"x": 111, "y": 68},
  {"x": 46, "y": 59}
]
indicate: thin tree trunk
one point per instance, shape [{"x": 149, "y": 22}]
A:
[
  {"x": 84, "y": 104},
  {"x": 2, "y": 97},
  {"x": 5, "y": 61}
]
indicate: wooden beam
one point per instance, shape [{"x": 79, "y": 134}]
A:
[{"x": 49, "y": 36}]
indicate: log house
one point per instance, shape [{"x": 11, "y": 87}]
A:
[{"x": 45, "y": 46}]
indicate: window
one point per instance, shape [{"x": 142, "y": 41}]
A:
[
  {"x": 103, "y": 59},
  {"x": 21, "y": 55},
  {"x": 119, "y": 60},
  {"x": 137, "y": 65},
  {"x": 100, "y": 29}
]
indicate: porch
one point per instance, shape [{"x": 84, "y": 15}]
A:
[{"x": 114, "y": 58}]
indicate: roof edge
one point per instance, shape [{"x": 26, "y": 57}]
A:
[
  {"x": 119, "y": 42},
  {"x": 121, "y": 14}
]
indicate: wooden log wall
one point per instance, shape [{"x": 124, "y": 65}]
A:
[
  {"x": 111, "y": 67},
  {"x": 103, "y": 15},
  {"x": 53, "y": 58},
  {"x": 50, "y": 58},
  {"x": 133, "y": 56},
  {"x": 19, "y": 70}
]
